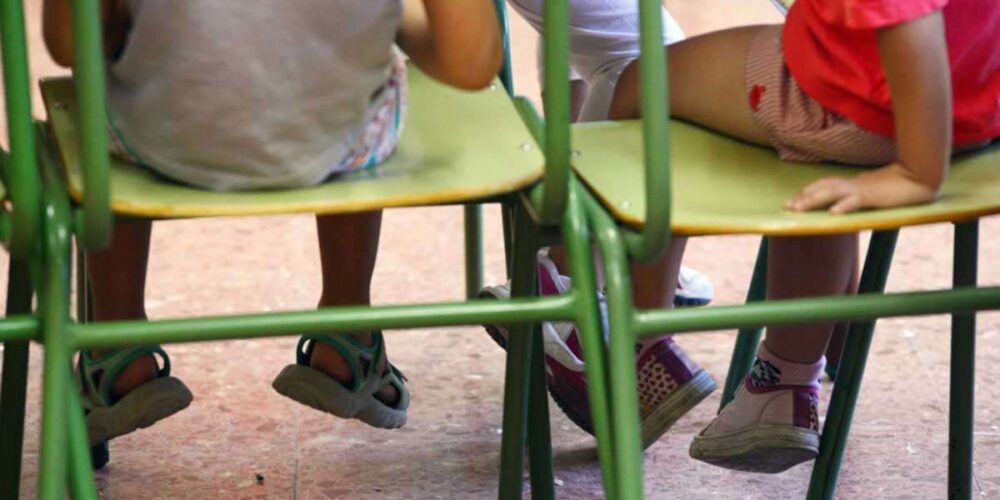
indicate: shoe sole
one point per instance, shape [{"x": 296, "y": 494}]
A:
[
  {"x": 321, "y": 392},
  {"x": 765, "y": 449},
  {"x": 691, "y": 301},
  {"x": 675, "y": 406},
  {"x": 140, "y": 408}
]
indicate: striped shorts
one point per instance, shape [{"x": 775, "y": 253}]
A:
[{"x": 799, "y": 128}]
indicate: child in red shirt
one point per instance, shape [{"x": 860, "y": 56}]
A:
[{"x": 896, "y": 84}]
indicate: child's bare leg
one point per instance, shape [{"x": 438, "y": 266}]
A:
[
  {"x": 772, "y": 423},
  {"x": 348, "y": 246},
  {"x": 805, "y": 267},
  {"x": 118, "y": 283},
  {"x": 706, "y": 84},
  {"x": 835, "y": 349}
]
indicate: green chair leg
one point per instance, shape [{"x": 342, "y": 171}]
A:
[
  {"x": 84, "y": 299},
  {"x": 539, "y": 434},
  {"x": 621, "y": 358},
  {"x": 517, "y": 380},
  {"x": 963, "y": 367},
  {"x": 54, "y": 306},
  {"x": 746, "y": 342},
  {"x": 81, "y": 473},
  {"x": 13, "y": 388},
  {"x": 99, "y": 454},
  {"x": 588, "y": 324},
  {"x": 836, "y": 346},
  {"x": 852, "y": 366},
  {"x": 507, "y": 212},
  {"x": 473, "y": 250}
]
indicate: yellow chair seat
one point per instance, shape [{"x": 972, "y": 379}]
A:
[
  {"x": 723, "y": 186},
  {"x": 457, "y": 146}
]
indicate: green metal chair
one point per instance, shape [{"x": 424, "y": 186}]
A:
[
  {"x": 459, "y": 148},
  {"x": 19, "y": 231},
  {"x": 670, "y": 177}
]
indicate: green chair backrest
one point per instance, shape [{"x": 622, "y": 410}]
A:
[
  {"x": 19, "y": 224},
  {"x": 506, "y": 71},
  {"x": 647, "y": 245}
]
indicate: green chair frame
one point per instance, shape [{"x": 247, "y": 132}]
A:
[
  {"x": 547, "y": 210},
  {"x": 19, "y": 228},
  {"x": 620, "y": 244}
]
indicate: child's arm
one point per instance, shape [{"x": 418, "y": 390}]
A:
[
  {"x": 456, "y": 41},
  {"x": 58, "y": 32},
  {"x": 915, "y": 58}
]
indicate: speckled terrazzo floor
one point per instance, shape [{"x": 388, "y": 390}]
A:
[{"x": 241, "y": 440}]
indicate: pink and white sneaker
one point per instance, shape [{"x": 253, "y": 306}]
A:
[
  {"x": 670, "y": 384},
  {"x": 771, "y": 425}
]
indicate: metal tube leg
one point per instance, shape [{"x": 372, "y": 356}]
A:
[
  {"x": 516, "y": 385},
  {"x": 81, "y": 473},
  {"x": 539, "y": 435},
  {"x": 963, "y": 366},
  {"x": 84, "y": 300},
  {"x": 55, "y": 318},
  {"x": 473, "y": 250},
  {"x": 622, "y": 339},
  {"x": 507, "y": 214},
  {"x": 852, "y": 367},
  {"x": 99, "y": 453},
  {"x": 13, "y": 388},
  {"x": 588, "y": 324},
  {"x": 746, "y": 342}
]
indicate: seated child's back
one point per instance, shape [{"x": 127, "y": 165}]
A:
[{"x": 225, "y": 96}]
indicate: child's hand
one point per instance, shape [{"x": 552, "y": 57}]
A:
[
  {"x": 889, "y": 186},
  {"x": 914, "y": 51}
]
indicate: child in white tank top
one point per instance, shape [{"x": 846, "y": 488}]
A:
[{"x": 228, "y": 94}]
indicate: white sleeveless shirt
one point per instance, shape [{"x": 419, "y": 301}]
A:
[{"x": 249, "y": 94}]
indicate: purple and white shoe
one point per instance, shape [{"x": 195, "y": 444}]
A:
[{"x": 670, "y": 384}]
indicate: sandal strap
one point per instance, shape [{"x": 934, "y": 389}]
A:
[
  {"x": 357, "y": 355},
  {"x": 395, "y": 377},
  {"x": 97, "y": 376}
]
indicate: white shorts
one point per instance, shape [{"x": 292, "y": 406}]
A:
[{"x": 604, "y": 40}]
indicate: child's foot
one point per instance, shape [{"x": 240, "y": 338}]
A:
[
  {"x": 123, "y": 391},
  {"x": 329, "y": 361},
  {"x": 341, "y": 375},
  {"x": 670, "y": 384},
  {"x": 771, "y": 425},
  {"x": 138, "y": 372}
]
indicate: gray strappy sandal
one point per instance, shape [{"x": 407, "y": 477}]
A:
[
  {"x": 107, "y": 416},
  {"x": 357, "y": 399}
]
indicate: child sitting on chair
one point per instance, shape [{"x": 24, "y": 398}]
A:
[
  {"x": 895, "y": 84},
  {"x": 604, "y": 40},
  {"x": 231, "y": 95}
]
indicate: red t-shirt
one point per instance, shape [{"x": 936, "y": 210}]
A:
[{"x": 832, "y": 52}]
